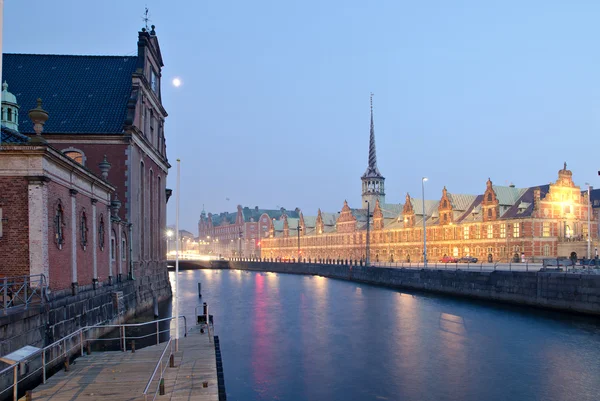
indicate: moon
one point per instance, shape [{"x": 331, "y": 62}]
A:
[{"x": 176, "y": 82}]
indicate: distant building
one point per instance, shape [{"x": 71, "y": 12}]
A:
[
  {"x": 106, "y": 114},
  {"x": 501, "y": 224},
  {"x": 240, "y": 233}
]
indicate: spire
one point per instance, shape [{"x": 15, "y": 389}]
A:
[{"x": 372, "y": 170}]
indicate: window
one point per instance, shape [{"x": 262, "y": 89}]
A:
[
  {"x": 113, "y": 251},
  {"x": 546, "y": 229},
  {"x": 516, "y": 230},
  {"x": 445, "y": 204},
  {"x": 502, "y": 230},
  {"x": 83, "y": 229},
  {"x": 264, "y": 219},
  {"x": 546, "y": 250},
  {"x": 455, "y": 252},
  {"x": 153, "y": 81},
  {"x": 490, "y": 231},
  {"x": 567, "y": 209},
  {"x": 502, "y": 251},
  {"x": 585, "y": 228},
  {"x": 466, "y": 232},
  {"x": 9, "y": 116},
  {"x": 489, "y": 197},
  {"x": 76, "y": 156},
  {"x": 445, "y": 217},
  {"x": 123, "y": 247},
  {"x": 101, "y": 233},
  {"x": 59, "y": 222},
  {"x": 477, "y": 232},
  {"x": 489, "y": 213}
]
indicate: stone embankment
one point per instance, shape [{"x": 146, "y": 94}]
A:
[{"x": 560, "y": 291}]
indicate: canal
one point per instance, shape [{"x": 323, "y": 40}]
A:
[{"x": 292, "y": 338}]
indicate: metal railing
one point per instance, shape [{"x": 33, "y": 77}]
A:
[
  {"x": 73, "y": 345},
  {"x": 22, "y": 291},
  {"x": 169, "y": 346}
]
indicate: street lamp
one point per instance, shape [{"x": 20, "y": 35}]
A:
[
  {"x": 299, "y": 228},
  {"x": 424, "y": 219},
  {"x": 368, "y": 242},
  {"x": 589, "y": 233}
]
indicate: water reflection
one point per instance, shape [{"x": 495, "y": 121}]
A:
[{"x": 295, "y": 338}]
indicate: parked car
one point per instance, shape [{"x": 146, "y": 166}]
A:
[
  {"x": 467, "y": 259},
  {"x": 448, "y": 259}
]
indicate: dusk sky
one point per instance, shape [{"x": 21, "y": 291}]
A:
[{"x": 274, "y": 106}]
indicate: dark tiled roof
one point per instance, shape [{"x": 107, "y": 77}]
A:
[
  {"x": 11, "y": 136},
  {"x": 527, "y": 197},
  {"x": 82, "y": 94},
  {"x": 595, "y": 197}
]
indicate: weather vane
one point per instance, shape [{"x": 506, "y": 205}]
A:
[{"x": 146, "y": 17}]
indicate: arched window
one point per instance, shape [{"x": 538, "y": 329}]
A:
[
  {"x": 9, "y": 114},
  {"x": 101, "y": 232},
  {"x": 83, "y": 229},
  {"x": 59, "y": 222},
  {"x": 445, "y": 204},
  {"x": 490, "y": 213},
  {"x": 489, "y": 197}
]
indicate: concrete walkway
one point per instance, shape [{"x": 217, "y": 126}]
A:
[{"x": 123, "y": 375}]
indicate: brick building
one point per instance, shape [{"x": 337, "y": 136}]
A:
[
  {"x": 106, "y": 114},
  {"x": 241, "y": 232},
  {"x": 500, "y": 224},
  {"x": 56, "y": 217}
]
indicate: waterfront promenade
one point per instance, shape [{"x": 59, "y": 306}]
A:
[{"x": 119, "y": 375}]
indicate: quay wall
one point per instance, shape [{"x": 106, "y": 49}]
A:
[
  {"x": 570, "y": 292},
  {"x": 64, "y": 313}
]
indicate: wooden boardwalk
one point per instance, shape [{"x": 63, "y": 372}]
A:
[{"x": 123, "y": 375}]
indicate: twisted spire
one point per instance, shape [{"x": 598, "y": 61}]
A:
[{"x": 372, "y": 170}]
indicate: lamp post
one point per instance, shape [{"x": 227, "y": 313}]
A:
[
  {"x": 299, "y": 228},
  {"x": 368, "y": 241},
  {"x": 424, "y": 221},
  {"x": 240, "y": 245},
  {"x": 589, "y": 232}
]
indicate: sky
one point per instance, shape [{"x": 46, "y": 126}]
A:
[{"x": 273, "y": 110}]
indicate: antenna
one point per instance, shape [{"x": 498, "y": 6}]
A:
[{"x": 146, "y": 17}]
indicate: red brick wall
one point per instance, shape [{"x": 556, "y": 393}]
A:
[
  {"x": 115, "y": 155},
  {"x": 59, "y": 259},
  {"x": 14, "y": 243}
]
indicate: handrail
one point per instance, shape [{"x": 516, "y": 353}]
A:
[
  {"x": 15, "y": 288},
  {"x": 158, "y": 363},
  {"x": 65, "y": 352}
]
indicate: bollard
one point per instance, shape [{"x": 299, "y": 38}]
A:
[
  {"x": 199, "y": 290},
  {"x": 133, "y": 346},
  {"x": 205, "y": 384},
  {"x": 155, "y": 304},
  {"x": 66, "y": 364},
  {"x": 28, "y": 395},
  {"x": 88, "y": 348},
  {"x": 204, "y": 308},
  {"x": 161, "y": 391},
  {"x": 172, "y": 361}
]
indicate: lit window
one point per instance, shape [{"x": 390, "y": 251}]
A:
[
  {"x": 502, "y": 230},
  {"x": 546, "y": 250},
  {"x": 516, "y": 230},
  {"x": 466, "y": 232},
  {"x": 490, "y": 231},
  {"x": 76, "y": 156},
  {"x": 546, "y": 230}
]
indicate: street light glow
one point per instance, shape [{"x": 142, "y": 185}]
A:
[{"x": 169, "y": 233}]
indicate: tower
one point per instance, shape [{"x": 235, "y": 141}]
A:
[
  {"x": 10, "y": 109},
  {"x": 372, "y": 180}
]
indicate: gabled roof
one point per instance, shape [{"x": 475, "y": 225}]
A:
[
  {"x": 82, "y": 94},
  {"x": 11, "y": 136}
]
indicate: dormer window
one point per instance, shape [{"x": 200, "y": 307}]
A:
[{"x": 75, "y": 155}]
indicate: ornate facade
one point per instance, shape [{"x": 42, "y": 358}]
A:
[{"x": 501, "y": 224}]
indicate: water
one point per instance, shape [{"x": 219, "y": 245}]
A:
[{"x": 288, "y": 337}]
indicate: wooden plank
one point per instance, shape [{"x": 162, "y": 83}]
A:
[{"x": 124, "y": 375}]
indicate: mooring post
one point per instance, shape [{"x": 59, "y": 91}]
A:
[
  {"x": 162, "y": 387},
  {"x": 66, "y": 363},
  {"x": 171, "y": 361},
  {"x": 133, "y": 346},
  {"x": 155, "y": 304},
  {"x": 199, "y": 290},
  {"x": 28, "y": 395}
]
